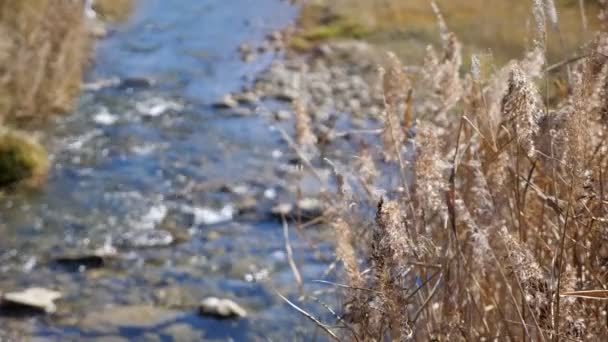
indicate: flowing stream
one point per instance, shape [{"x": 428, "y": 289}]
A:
[{"x": 182, "y": 190}]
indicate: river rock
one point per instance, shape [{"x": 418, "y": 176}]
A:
[
  {"x": 307, "y": 207},
  {"x": 36, "y": 298},
  {"x": 221, "y": 308},
  {"x": 282, "y": 115},
  {"x": 282, "y": 209},
  {"x": 247, "y": 98},
  {"x": 286, "y": 95},
  {"x": 209, "y": 216},
  {"x": 310, "y": 207},
  {"x": 226, "y": 102},
  {"x": 80, "y": 262}
]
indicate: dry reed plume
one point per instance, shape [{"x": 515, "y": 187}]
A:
[{"x": 498, "y": 228}]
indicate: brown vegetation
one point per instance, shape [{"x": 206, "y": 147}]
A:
[
  {"x": 45, "y": 48},
  {"x": 498, "y": 227}
]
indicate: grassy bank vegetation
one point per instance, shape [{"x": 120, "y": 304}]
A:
[
  {"x": 45, "y": 46},
  {"x": 479, "y": 212},
  {"x": 405, "y": 27}
]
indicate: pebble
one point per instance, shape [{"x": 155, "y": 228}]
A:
[{"x": 338, "y": 77}]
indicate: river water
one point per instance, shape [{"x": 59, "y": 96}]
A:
[{"x": 138, "y": 164}]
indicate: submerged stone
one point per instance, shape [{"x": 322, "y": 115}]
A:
[{"x": 134, "y": 316}]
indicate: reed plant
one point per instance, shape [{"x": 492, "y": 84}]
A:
[{"x": 496, "y": 227}]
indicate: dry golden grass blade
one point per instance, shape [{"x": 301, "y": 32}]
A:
[
  {"x": 290, "y": 259},
  {"x": 588, "y": 294},
  {"x": 407, "y": 113},
  {"x": 310, "y": 317}
]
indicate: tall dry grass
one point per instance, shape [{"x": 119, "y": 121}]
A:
[
  {"x": 45, "y": 47},
  {"x": 498, "y": 227}
]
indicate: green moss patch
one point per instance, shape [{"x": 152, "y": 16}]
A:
[{"x": 22, "y": 160}]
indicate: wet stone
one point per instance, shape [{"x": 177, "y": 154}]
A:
[
  {"x": 226, "y": 102},
  {"x": 35, "y": 299},
  {"x": 80, "y": 262},
  {"x": 209, "y": 216},
  {"x": 282, "y": 209},
  {"x": 310, "y": 207},
  {"x": 282, "y": 115},
  {"x": 247, "y": 98},
  {"x": 221, "y": 308},
  {"x": 286, "y": 95}
]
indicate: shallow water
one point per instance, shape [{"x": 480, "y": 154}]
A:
[{"x": 131, "y": 164}]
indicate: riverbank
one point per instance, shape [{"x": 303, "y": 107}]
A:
[
  {"x": 45, "y": 48},
  {"x": 407, "y": 27}
]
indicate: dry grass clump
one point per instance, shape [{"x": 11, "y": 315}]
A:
[
  {"x": 497, "y": 228},
  {"x": 44, "y": 51}
]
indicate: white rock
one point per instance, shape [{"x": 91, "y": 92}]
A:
[
  {"x": 222, "y": 308},
  {"x": 35, "y": 297}
]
